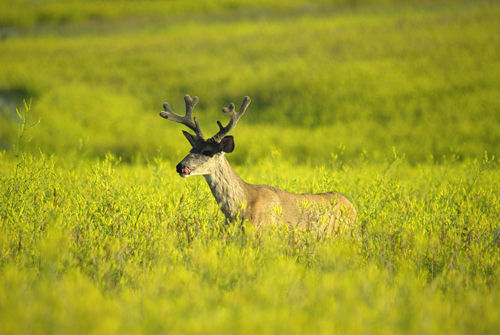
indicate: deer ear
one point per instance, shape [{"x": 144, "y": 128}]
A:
[
  {"x": 191, "y": 138},
  {"x": 227, "y": 144}
]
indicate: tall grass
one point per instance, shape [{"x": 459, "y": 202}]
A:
[
  {"x": 101, "y": 246},
  {"x": 392, "y": 103}
]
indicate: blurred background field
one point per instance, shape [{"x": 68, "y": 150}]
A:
[
  {"x": 393, "y": 103},
  {"x": 357, "y": 76}
]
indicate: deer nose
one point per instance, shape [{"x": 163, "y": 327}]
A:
[{"x": 178, "y": 168}]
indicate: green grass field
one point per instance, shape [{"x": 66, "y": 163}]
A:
[{"x": 393, "y": 103}]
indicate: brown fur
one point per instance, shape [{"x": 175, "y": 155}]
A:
[{"x": 268, "y": 204}]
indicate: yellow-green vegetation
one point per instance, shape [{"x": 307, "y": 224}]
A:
[
  {"x": 106, "y": 247},
  {"x": 422, "y": 78},
  {"x": 395, "y": 104}
]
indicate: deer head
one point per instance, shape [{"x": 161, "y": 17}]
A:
[{"x": 205, "y": 155}]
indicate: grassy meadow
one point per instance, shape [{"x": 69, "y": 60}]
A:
[{"x": 393, "y": 103}]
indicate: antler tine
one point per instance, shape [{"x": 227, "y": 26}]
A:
[
  {"x": 190, "y": 103},
  {"x": 187, "y": 119},
  {"x": 229, "y": 111}
]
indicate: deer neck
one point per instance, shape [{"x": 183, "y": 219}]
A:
[{"x": 227, "y": 188}]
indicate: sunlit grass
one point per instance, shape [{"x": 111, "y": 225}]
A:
[
  {"x": 90, "y": 245},
  {"x": 394, "y": 104},
  {"x": 424, "y": 80}
]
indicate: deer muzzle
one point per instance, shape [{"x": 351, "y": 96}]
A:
[{"x": 182, "y": 170}]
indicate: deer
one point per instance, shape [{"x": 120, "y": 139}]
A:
[{"x": 238, "y": 200}]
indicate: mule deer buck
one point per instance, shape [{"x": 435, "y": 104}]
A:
[{"x": 240, "y": 200}]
